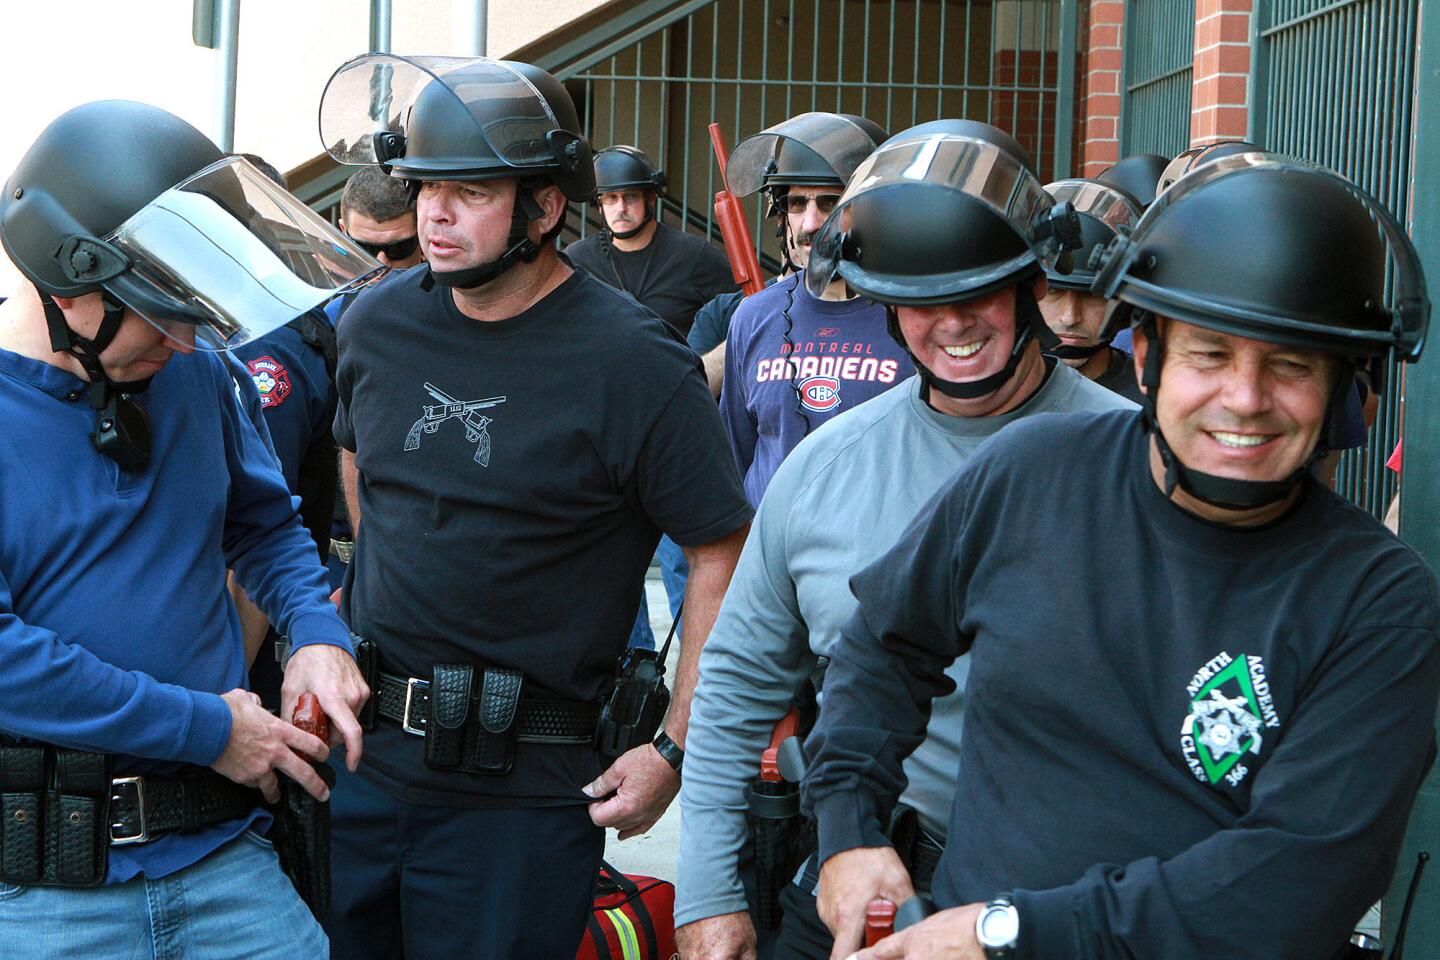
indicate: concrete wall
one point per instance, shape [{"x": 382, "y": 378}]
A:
[{"x": 54, "y": 56}]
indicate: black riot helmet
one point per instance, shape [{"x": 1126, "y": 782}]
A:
[
  {"x": 623, "y": 167},
  {"x": 1257, "y": 246},
  {"x": 1197, "y": 157},
  {"x": 934, "y": 218},
  {"x": 1138, "y": 175},
  {"x": 812, "y": 149},
  {"x": 461, "y": 118},
  {"x": 1104, "y": 212},
  {"x": 132, "y": 202},
  {"x": 976, "y": 130}
]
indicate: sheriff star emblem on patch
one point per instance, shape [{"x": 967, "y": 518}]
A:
[
  {"x": 271, "y": 379},
  {"x": 1232, "y": 713}
]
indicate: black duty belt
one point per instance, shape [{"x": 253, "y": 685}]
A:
[
  {"x": 144, "y": 808},
  {"x": 406, "y": 700}
]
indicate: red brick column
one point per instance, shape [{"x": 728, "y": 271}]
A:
[
  {"x": 1098, "y": 113},
  {"x": 1218, "y": 110}
]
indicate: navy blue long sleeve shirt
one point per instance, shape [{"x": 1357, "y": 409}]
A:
[{"x": 1181, "y": 740}]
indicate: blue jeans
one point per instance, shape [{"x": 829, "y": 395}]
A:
[
  {"x": 234, "y": 903},
  {"x": 674, "y": 571}
]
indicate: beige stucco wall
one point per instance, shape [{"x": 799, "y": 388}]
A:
[{"x": 55, "y": 55}]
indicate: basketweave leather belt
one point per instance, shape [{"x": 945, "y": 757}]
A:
[{"x": 406, "y": 701}]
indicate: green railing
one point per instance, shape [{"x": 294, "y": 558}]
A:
[
  {"x": 1155, "y": 99},
  {"x": 660, "y": 73},
  {"x": 1333, "y": 82}
]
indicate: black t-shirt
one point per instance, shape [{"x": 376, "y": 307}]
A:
[
  {"x": 1181, "y": 739},
  {"x": 712, "y": 322},
  {"x": 515, "y": 531},
  {"x": 1119, "y": 376},
  {"x": 674, "y": 274}
]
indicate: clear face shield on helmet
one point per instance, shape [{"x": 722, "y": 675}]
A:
[
  {"x": 227, "y": 256},
  {"x": 838, "y": 141},
  {"x": 981, "y": 171},
  {"x": 1408, "y": 300},
  {"x": 1103, "y": 203},
  {"x": 365, "y": 108}
]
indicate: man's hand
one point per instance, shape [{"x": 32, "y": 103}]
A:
[
  {"x": 642, "y": 785},
  {"x": 261, "y": 744},
  {"x": 848, "y": 882},
  {"x": 947, "y": 935},
  {"x": 330, "y": 673},
  {"x": 730, "y": 936}
]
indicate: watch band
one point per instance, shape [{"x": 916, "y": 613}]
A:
[{"x": 669, "y": 751}]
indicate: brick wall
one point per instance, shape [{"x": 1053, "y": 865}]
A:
[
  {"x": 1218, "y": 110},
  {"x": 1020, "y": 113},
  {"x": 1101, "y": 63}
]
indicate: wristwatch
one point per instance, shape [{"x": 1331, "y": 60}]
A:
[
  {"x": 998, "y": 929},
  {"x": 670, "y": 751}
]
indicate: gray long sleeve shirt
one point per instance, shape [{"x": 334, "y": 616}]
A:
[{"x": 837, "y": 503}]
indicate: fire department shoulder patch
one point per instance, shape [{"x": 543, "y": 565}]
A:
[{"x": 271, "y": 379}]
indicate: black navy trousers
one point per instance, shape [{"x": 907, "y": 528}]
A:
[{"x": 425, "y": 882}]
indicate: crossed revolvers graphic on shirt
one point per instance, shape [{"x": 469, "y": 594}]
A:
[{"x": 467, "y": 411}]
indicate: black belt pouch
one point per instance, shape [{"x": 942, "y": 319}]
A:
[
  {"x": 22, "y": 807},
  {"x": 367, "y": 658},
  {"x": 302, "y": 839},
  {"x": 79, "y": 821},
  {"x": 472, "y": 726}
]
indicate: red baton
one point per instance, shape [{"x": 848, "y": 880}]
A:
[{"x": 879, "y": 921}]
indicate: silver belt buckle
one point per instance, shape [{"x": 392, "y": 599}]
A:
[
  {"x": 117, "y": 787},
  {"x": 343, "y": 549},
  {"x": 410, "y": 686}
]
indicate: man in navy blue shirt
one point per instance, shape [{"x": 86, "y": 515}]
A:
[{"x": 132, "y": 479}]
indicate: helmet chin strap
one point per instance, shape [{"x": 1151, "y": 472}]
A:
[
  {"x": 122, "y": 429},
  {"x": 1029, "y": 323},
  {"x": 1227, "y": 492},
  {"x": 521, "y": 249}
]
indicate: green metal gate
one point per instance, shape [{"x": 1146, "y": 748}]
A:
[
  {"x": 665, "y": 70},
  {"x": 1155, "y": 98},
  {"x": 1333, "y": 82}
]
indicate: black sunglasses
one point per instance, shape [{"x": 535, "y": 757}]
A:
[
  {"x": 798, "y": 202},
  {"x": 398, "y": 250}
]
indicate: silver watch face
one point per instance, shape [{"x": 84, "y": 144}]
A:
[{"x": 999, "y": 926}]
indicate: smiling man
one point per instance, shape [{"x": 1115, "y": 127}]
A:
[
  {"x": 1204, "y": 738},
  {"x": 522, "y": 434},
  {"x": 960, "y": 282}
]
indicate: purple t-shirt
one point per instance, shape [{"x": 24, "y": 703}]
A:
[{"x": 839, "y": 355}]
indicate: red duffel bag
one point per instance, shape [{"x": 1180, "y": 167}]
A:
[{"x": 633, "y": 919}]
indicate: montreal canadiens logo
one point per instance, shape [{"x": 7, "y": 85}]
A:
[
  {"x": 271, "y": 380},
  {"x": 820, "y": 394}
]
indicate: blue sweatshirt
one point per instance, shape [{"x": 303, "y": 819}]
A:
[
  {"x": 116, "y": 629},
  {"x": 792, "y": 362}
]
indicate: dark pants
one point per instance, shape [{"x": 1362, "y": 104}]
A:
[
  {"x": 427, "y": 882},
  {"x": 803, "y": 935}
]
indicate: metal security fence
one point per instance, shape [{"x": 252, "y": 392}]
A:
[
  {"x": 1159, "y": 54},
  {"x": 1333, "y": 82},
  {"x": 665, "y": 71}
]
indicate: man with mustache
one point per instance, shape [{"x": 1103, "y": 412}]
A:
[
  {"x": 953, "y": 273},
  {"x": 795, "y": 359},
  {"x": 522, "y": 434},
  {"x": 670, "y": 271},
  {"x": 1189, "y": 730}
]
